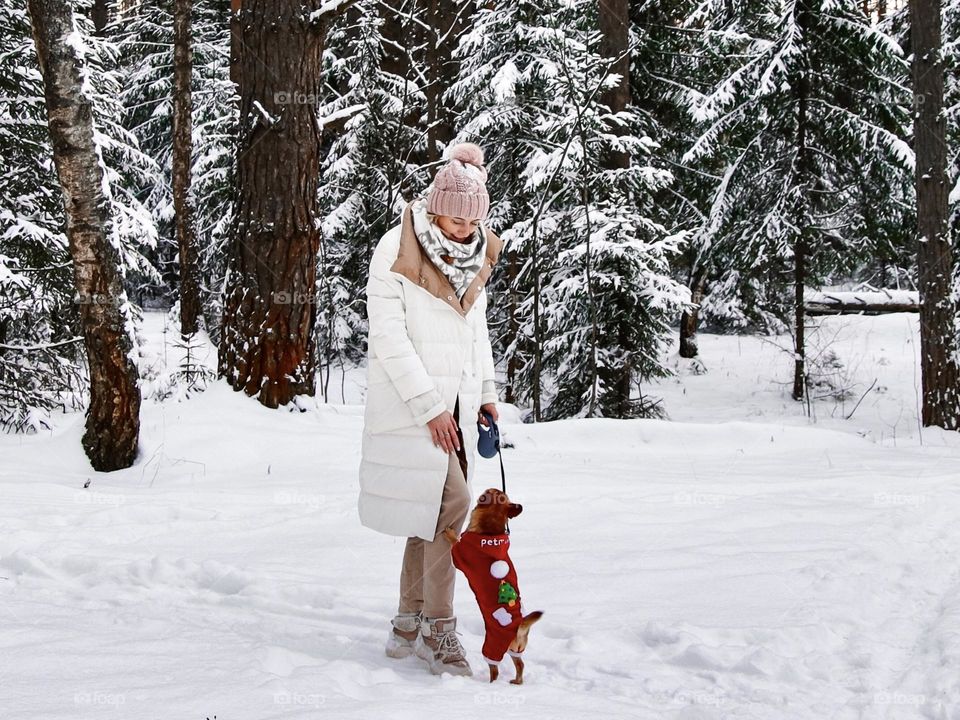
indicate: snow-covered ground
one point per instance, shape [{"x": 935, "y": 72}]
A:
[
  {"x": 743, "y": 560},
  {"x": 862, "y": 368}
]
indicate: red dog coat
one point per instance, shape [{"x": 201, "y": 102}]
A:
[{"x": 493, "y": 579}]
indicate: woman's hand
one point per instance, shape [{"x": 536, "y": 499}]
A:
[
  {"x": 443, "y": 429},
  {"x": 490, "y": 409}
]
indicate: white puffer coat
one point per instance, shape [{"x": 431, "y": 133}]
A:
[{"x": 426, "y": 349}]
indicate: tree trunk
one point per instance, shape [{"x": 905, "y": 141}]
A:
[
  {"x": 802, "y": 170},
  {"x": 113, "y": 423},
  {"x": 690, "y": 319},
  {"x": 614, "y": 21},
  {"x": 100, "y": 15},
  {"x": 267, "y": 344},
  {"x": 446, "y": 20},
  {"x": 235, "y": 39},
  {"x": 182, "y": 163},
  {"x": 799, "y": 348},
  {"x": 941, "y": 393},
  {"x": 513, "y": 327}
]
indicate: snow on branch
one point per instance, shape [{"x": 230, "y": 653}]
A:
[
  {"x": 268, "y": 119},
  {"x": 321, "y": 17},
  {"x": 339, "y": 117},
  {"x": 40, "y": 347}
]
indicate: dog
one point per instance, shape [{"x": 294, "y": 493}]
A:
[{"x": 481, "y": 554}]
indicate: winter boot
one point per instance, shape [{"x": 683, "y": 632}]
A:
[
  {"x": 441, "y": 648},
  {"x": 403, "y": 635}
]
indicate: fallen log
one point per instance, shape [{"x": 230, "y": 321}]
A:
[{"x": 877, "y": 302}]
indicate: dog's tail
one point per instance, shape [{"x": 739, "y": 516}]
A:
[
  {"x": 530, "y": 619},
  {"x": 520, "y": 642}
]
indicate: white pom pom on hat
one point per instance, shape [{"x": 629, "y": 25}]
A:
[{"x": 468, "y": 153}]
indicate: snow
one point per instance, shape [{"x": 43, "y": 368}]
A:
[
  {"x": 329, "y": 8},
  {"x": 740, "y": 561},
  {"x": 340, "y": 114},
  {"x": 268, "y": 119},
  {"x": 504, "y": 83},
  {"x": 750, "y": 378}
]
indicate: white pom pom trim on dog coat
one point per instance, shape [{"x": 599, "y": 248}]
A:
[{"x": 499, "y": 569}]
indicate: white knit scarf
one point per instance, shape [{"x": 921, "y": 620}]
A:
[{"x": 459, "y": 262}]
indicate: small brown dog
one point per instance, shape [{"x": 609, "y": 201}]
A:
[{"x": 481, "y": 554}]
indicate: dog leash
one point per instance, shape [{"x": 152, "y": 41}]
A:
[
  {"x": 490, "y": 440},
  {"x": 503, "y": 484}
]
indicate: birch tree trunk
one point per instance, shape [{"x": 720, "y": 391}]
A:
[
  {"x": 182, "y": 162},
  {"x": 267, "y": 343},
  {"x": 938, "y": 340},
  {"x": 113, "y": 424}
]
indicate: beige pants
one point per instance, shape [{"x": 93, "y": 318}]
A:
[{"x": 427, "y": 576}]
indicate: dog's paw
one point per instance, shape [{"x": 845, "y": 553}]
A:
[{"x": 451, "y": 535}]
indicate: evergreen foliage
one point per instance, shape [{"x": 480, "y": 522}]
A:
[
  {"x": 594, "y": 294},
  {"x": 40, "y": 351},
  {"x": 370, "y": 172},
  {"x": 502, "y": 98},
  {"x": 808, "y": 123},
  {"x": 759, "y": 131},
  {"x": 145, "y": 38}
]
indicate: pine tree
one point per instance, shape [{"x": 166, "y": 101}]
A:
[
  {"x": 950, "y": 53},
  {"x": 501, "y": 96},
  {"x": 666, "y": 66},
  {"x": 368, "y": 173},
  {"x": 609, "y": 328},
  {"x": 804, "y": 105},
  {"x": 594, "y": 296},
  {"x": 127, "y": 166},
  {"x": 145, "y": 36},
  {"x": 215, "y": 130}
]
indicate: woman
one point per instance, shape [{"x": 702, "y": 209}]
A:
[{"x": 430, "y": 367}]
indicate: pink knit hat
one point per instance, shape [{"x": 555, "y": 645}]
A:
[{"x": 459, "y": 188}]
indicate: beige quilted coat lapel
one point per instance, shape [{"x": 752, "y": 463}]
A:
[{"x": 415, "y": 265}]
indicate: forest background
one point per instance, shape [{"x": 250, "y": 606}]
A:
[{"x": 655, "y": 168}]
